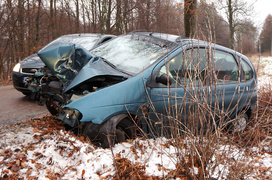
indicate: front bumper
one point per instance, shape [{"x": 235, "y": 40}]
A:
[{"x": 19, "y": 82}]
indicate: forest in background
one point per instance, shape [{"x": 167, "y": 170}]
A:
[{"x": 28, "y": 25}]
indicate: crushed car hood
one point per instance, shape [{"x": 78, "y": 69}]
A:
[
  {"x": 95, "y": 67},
  {"x": 66, "y": 61}
]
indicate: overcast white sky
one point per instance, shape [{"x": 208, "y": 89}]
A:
[{"x": 262, "y": 9}]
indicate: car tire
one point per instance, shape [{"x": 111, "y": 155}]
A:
[
  {"x": 128, "y": 127},
  {"x": 120, "y": 135},
  {"x": 52, "y": 107},
  {"x": 114, "y": 138},
  {"x": 124, "y": 130},
  {"x": 238, "y": 124},
  {"x": 27, "y": 93}
]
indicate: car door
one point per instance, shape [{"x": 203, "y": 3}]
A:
[
  {"x": 249, "y": 95},
  {"x": 174, "y": 104},
  {"x": 227, "y": 86}
]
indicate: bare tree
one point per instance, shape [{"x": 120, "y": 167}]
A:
[
  {"x": 77, "y": 14},
  {"x": 37, "y": 37},
  {"x": 28, "y": 25},
  {"x": 52, "y": 19},
  {"x": 246, "y": 36},
  {"x": 266, "y": 35},
  {"x": 236, "y": 11},
  {"x": 190, "y": 7},
  {"x": 211, "y": 26},
  {"x": 118, "y": 19},
  {"x": 20, "y": 28}
]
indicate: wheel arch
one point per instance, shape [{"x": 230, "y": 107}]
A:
[
  {"x": 247, "y": 110},
  {"x": 111, "y": 123}
]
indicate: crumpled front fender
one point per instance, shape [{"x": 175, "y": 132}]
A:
[{"x": 121, "y": 98}]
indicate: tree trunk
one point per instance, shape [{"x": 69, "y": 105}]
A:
[
  {"x": 118, "y": 17},
  {"x": 77, "y": 15},
  {"x": 231, "y": 25},
  {"x": 94, "y": 15},
  {"x": 190, "y": 17},
  {"x": 83, "y": 15},
  {"x": 108, "y": 20},
  {"x": 37, "y": 38},
  {"x": 51, "y": 23},
  {"x": 20, "y": 29}
]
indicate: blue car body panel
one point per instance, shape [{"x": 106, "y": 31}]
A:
[{"x": 124, "y": 97}]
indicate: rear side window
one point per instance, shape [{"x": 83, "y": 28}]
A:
[
  {"x": 247, "y": 70},
  {"x": 226, "y": 68}
]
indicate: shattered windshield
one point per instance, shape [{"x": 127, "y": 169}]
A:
[
  {"x": 85, "y": 41},
  {"x": 133, "y": 53}
]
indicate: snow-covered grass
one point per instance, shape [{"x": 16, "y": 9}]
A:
[
  {"x": 32, "y": 153},
  {"x": 42, "y": 149},
  {"x": 265, "y": 73}
]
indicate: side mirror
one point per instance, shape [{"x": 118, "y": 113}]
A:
[{"x": 164, "y": 79}]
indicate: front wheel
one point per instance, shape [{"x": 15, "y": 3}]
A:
[
  {"x": 239, "y": 123},
  {"x": 124, "y": 130},
  {"x": 120, "y": 135},
  {"x": 53, "y": 106},
  {"x": 27, "y": 93}
]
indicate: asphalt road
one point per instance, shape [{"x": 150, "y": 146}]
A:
[{"x": 15, "y": 107}]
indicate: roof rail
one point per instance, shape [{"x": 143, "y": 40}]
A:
[
  {"x": 144, "y": 31},
  {"x": 141, "y": 30},
  {"x": 182, "y": 38}
]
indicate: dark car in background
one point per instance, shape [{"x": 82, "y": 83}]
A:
[
  {"x": 152, "y": 80},
  {"x": 27, "y": 67}
]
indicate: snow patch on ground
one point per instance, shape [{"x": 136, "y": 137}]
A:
[
  {"x": 60, "y": 154},
  {"x": 265, "y": 74}
]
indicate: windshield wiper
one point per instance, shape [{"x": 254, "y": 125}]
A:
[{"x": 109, "y": 63}]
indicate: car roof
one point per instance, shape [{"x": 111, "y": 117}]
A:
[
  {"x": 163, "y": 36},
  {"x": 185, "y": 41}
]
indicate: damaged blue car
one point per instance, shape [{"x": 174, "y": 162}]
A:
[{"x": 145, "y": 81}]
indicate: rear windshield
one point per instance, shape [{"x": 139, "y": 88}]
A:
[{"x": 133, "y": 53}]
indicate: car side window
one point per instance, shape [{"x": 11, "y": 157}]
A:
[
  {"x": 187, "y": 68},
  {"x": 247, "y": 70},
  {"x": 226, "y": 68}
]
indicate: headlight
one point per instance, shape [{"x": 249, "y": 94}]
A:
[{"x": 17, "y": 67}]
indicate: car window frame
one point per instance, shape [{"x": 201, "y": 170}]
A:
[
  {"x": 244, "y": 73},
  {"x": 237, "y": 59},
  {"x": 156, "y": 70},
  {"x": 241, "y": 74}
]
